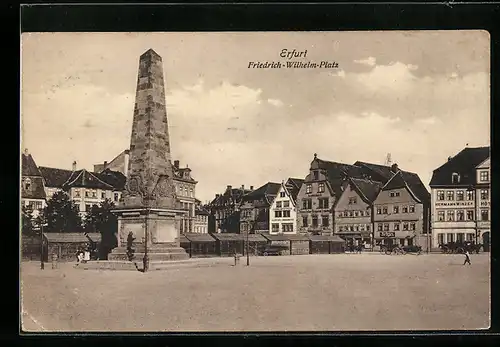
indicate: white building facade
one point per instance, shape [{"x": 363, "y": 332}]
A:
[{"x": 283, "y": 210}]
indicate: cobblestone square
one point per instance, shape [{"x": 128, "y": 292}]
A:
[{"x": 291, "y": 293}]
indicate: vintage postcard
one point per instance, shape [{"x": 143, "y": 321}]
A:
[{"x": 255, "y": 182}]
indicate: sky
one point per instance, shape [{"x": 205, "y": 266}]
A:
[{"x": 421, "y": 96}]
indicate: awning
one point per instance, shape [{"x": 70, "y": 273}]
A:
[
  {"x": 72, "y": 237},
  {"x": 285, "y": 237},
  {"x": 199, "y": 237},
  {"x": 332, "y": 238}
]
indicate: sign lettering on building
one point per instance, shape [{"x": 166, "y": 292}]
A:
[
  {"x": 387, "y": 234},
  {"x": 461, "y": 203}
]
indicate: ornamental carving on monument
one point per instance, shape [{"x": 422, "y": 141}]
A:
[
  {"x": 163, "y": 187},
  {"x": 134, "y": 185}
]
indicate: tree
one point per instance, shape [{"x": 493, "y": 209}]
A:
[
  {"x": 101, "y": 219},
  {"x": 62, "y": 214},
  {"x": 27, "y": 221}
]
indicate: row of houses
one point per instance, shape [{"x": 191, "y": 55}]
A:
[
  {"x": 107, "y": 181},
  {"x": 366, "y": 203}
]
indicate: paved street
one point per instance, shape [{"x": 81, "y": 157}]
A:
[{"x": 294, "y": 293}]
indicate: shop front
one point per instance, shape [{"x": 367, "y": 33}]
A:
[{"x": 393, "y": 238}]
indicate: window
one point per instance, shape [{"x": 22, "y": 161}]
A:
[
  {"x": 379, "y": 210},
  {"x": 287, "y": 227},
  {"x": 276, "y": 228},
  {"x": 103, "y": 195},
  {"x": 405, "y": 226},
  {"x": 440, "y": 195},
  {"x": 460, "y": 237},
  {"x": 286, "y": 214},
  {"x": 314, "y": 221},
  {"x": 321, "y": 188},
  {"x": 455, "y": 178},
  {"x": 395, "y": 209},
  {"x": 484, "y": 194},
  {"x": 341, "y": 228},
  {"x": 77, "y": 193},
  {"x": 87, "y": 207},
  {"x": 304, "y": 221},
  {"x": 356, "y": 213},
  {"x": 94, "y": 194},
  {"x": 286, "y": 203},
  {"x": 449, "y": 237},
  {"x": 346, "y": 214},
  {"x": 309, "y": 188},
  {"x": 484, "y": 176},
  {"x": 351, "y": 214},
  {"x": 307, "y": 204},
  {"x": 278, "y": 204},
  {"x": 470, "y": 215},
  {"x": 391, "y": 194},
  {"x": 412, "y": 226},
  {"x": 450, "y": 195},
  {"x": 191, "y": 192},
  {"x": 396, "y": 226},
  {"x": 470, "y": 237},
  {"x": 386, "y": 226},
  {"x": 316, "y": 175},
  {"x": 460, "y": 215},
  {"x": 352, "y": 200},
  {"x": 450, "y": 216},
  {"x": 325, "y": 221},
  {"x": 384, "y": 210},
  {"x": 460, "y": 195},
  {"x": 379, "y": 227},
  {"x": 323, "y": 202},
  {"x": 282, "y": 194},
  {"x": 405, "y": 209},
  {"x": 367, "y": 228},
  {"x": 367, "y": 212},
  {"x": 277, "y": 214},
  {"x": 485, "y": 215},
  {"x": 27, "y": 184},
  {"x": 397, "y": 193},
  {"x": 470, "y": 195},
  {"x": 86, "y": 194},
  {"x": 440, "y": 238},
  {"x": 440, "y": 216},
  {"x": 412, "y": 209}
]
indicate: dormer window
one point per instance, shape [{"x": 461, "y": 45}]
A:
[
  {"x": 484, "y": 176},
  {"x": 316, "y": 175},
  {"x": 27, "y": 184},
  {"x": 455, "y": 178}
]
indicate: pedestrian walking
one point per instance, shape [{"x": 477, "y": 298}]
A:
[{"x": 467, "y": 257}]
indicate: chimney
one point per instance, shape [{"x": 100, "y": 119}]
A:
[
  {"x": 394, "y": 168},
  {"x": 251, "y": 187},
  {"x": 26, "y": 151},
  {"x": 105, "y": 165},
  {"x": 242, "y": 187},
  {"x": 74, "y": 165},
  {"x": 449, "y": 158},
  {"x": 176, "y": 164},
  {"x": 217, "y": 195},
  {"x": 229, "y": 187}
]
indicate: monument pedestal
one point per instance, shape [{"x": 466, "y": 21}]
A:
[{"x": 162, "y": 227}]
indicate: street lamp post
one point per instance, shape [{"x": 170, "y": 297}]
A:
[{"x": 42, "y": 265}]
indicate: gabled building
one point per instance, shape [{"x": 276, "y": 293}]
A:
[
  {"x": 83, "y": 187},
  {"x": 283, "y": 210},
  {"x": 32, "y": 185},
  {"x": 254, "y": 208},
  {"x": 460, "y": 190},
  {"x": 201, "y": 218},
  {"x": 353, "y": 211},
  {"x": 224, "y": 210},
  {"x": 321, "y": 189},
  {"x": 399, "y": 212}
]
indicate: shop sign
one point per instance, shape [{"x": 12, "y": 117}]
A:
[
  {"x": 461, "y": 203},
  {"x": 387, "y": 234}
]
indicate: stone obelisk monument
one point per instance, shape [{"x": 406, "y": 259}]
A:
[{"x": 149, "y": 213}]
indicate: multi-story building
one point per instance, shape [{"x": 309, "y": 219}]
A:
[
  {"x": 483, "y": 203},
  {"x": 201, "y": 218},
  {"x": 224, "y": 210},
  {"x": 254, "y": 208},
  {"x": 353, "y": 211},
  {"x": 283, "y": 210},
  {"x": 185, "y": 186},
  {"x": 457, "y": 195},
  {"x": 398, "y": 211},
  {"x": 321, "y": 189},
  {"x": 32, "y": 185},
  {"x": 83, "y": 187}
]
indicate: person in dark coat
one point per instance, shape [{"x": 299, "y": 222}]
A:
[{"x": 467, "y": 257}]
